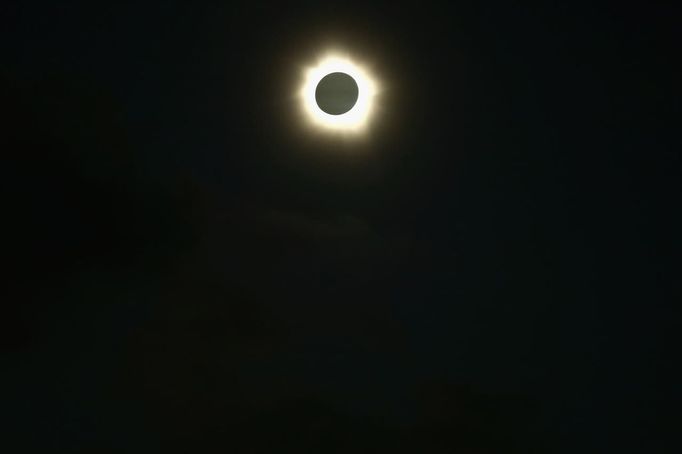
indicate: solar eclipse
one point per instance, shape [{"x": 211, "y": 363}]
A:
[{"x": 338, "y": 95}]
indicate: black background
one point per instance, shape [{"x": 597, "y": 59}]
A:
[{"x": 190, "y": 269}]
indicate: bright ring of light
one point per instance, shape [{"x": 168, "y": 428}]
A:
[{"x": 356, "y": 119}]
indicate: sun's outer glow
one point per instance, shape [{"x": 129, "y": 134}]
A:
[{"x": 356, "y": 119}]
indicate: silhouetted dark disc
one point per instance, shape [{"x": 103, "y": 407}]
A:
[{"x": 336, "y": 93}]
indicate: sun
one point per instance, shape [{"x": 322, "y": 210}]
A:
[{"x": 357, "y": 119}]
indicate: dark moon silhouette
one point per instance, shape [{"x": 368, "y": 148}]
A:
[{"x": 336, "y": 93}]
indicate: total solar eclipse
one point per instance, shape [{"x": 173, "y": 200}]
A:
[{"x": 338, "y": 95}]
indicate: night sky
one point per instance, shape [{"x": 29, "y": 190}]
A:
[{"x": 189, "y": 269}]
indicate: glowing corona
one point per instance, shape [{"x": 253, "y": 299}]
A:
[{"x": 357, "y": 118}]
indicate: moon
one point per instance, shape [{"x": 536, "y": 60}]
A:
[{"x": 338, "y": 95}]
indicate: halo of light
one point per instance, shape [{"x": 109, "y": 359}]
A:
[{"x": 357, "y": 118}]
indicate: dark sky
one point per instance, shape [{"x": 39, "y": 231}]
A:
[{"x": 188, "y": 269}]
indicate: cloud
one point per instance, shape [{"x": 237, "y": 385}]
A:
[{"x": 303, "y": 225}]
